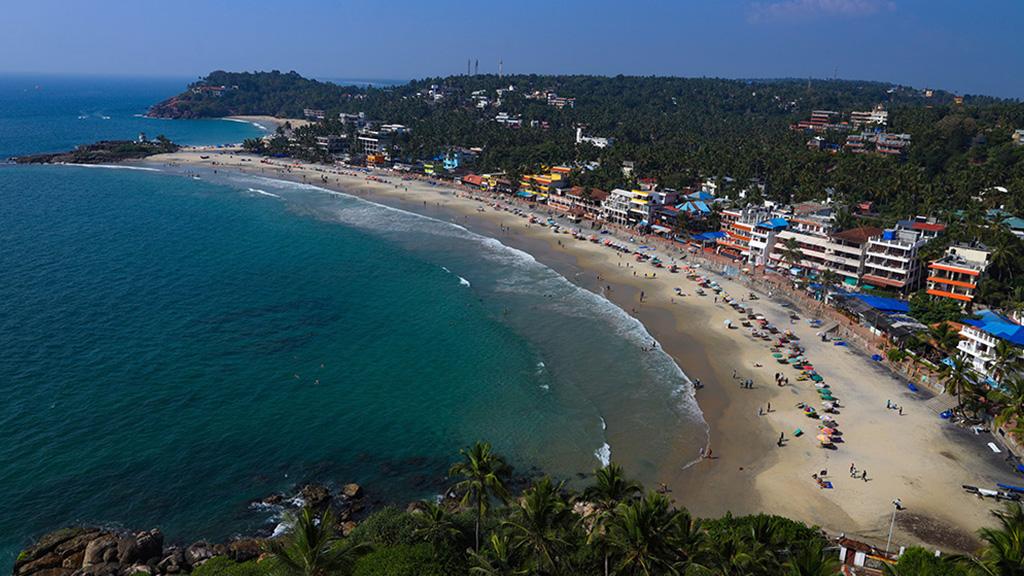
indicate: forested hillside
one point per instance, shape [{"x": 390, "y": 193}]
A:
[{"x": 676, "y": 129}]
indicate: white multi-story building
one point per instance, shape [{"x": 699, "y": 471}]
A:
[
  {"x": 374, "y": 142},
  {"x": 821, "y": 248},
  {"x": 626, "y": 207},
  {"x": 878, "y": 117},
  {"x": 979, "y": 337},
  {"x": 891, "y": 260},
  {"x": 749, "y": 233}
]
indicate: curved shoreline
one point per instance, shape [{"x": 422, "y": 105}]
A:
[
  {"x": 493, "y": 238},
  {"x": 750, "y": 473}
]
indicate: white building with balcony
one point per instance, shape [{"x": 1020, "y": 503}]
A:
[
  {"x": 891, "y": 260},
  {"x": 627, "y": 207},
  {"x": 978, "y": 340}
]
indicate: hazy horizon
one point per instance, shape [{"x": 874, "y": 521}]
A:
[{"x": 954, "y": 47}]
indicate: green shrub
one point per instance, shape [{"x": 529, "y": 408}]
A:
[
  {"x": 222, "y": 566},
  {"x": 403, "y": 560},
  {"x": 387, "y": 527},
  {"x": 921, "y": 562}
]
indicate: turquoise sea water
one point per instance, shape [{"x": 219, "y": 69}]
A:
[{"x": 171, "y": 348}]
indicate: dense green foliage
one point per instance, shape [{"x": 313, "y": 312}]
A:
[
  {"x": 404, "y": 560},
  {"x": 678, "y": 128},
  {"x": 222, "y": 566},
  {"x": 611, "y": 527}
]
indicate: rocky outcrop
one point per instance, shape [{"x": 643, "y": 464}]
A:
[
  {"x": 103, "y": 152},
  {"x": 86, "y": 551},
  {"x": 316, "y": 496},
  {"x": 97, "y": 552}
]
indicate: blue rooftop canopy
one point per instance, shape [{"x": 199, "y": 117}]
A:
[
  {"x": 774, "y": 224},
  {"x": 696, "y": 206},
  {"x": 998, "y": 326},
  {"x": 708, "y": 236},
  {"x": 883, "y": 304},
  {"x": 700, "y": 195}
]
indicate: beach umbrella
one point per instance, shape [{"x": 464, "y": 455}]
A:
[
  {"x": 809, "y": 410},
  {"x": 827, "y": 431},
  {"x": 828, "y": 418},
  {"x": 777, "y": 355},
  {"x": 824, "y": 439}
]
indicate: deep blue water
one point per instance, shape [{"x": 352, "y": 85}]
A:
[
  {"x": 171, "y": 348},
  {"x": 54, "y": 113}
]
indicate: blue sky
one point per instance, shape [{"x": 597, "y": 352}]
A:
[{"x": 969, "y": 47}]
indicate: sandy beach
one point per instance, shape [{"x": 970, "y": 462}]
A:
[
  {"x": 270, "y": 123},
  {"x": 916, "y": 456}
]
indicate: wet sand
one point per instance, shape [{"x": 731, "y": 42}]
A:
[{"x": 915, "y": 457}]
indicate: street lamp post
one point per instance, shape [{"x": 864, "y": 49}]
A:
[{"x": 896, "y": 507}]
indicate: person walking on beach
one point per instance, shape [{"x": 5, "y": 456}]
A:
[
  {"x": 864, "y": 475},
  {"x": 782, "y": 437},
  {"x": 853, "y": 469}
]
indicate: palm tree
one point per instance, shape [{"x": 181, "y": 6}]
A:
[
  {"x": 649, "y": 537},
  {"x": 484, "y": 474},
  {"x": 498, "y": 558},
  {"x": 1007, "y": 360},
  {"x": 958, "y": 380},
  {"x": 1010, "y": 396},
  {"x": 812, "y": 560},
  {"x": 791, "y": 252},
  {"x": 435, "y": 525},
  {"x": 538, "y": 523},
  {"x": 1003, "y": 554},
  {"x": 610, "y": 488},
  {"x": 312, "y": 548},
  {"x": 945, "y": 337},
  {"x": 733, "y": 554},
  {"x": 830, "y": 278},
  {"x": 1004, "y": 256}
]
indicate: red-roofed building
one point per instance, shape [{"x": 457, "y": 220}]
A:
[{"x": 473, "y": 180}]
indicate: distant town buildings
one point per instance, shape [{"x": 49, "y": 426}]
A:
[
  {"x": 876, "y": 117},
  {"x": 592, "y": 140},
  {"x": 822, "y": 121},
  {"x": 883, "y": 143},
  {"x": 216, "y": 91},
  {"x": 509, "y": 120}
]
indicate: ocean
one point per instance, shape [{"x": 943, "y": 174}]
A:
[{"x": 173, "y": 348}]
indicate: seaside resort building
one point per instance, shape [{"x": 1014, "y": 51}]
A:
[
  {"x": 891, "y": 261},
  {"x": 956, "y": 275},
  {"x": 627, "y": 207},
  {"x": 761, "y": 236},
  {"x": 978, "y": 339}
]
